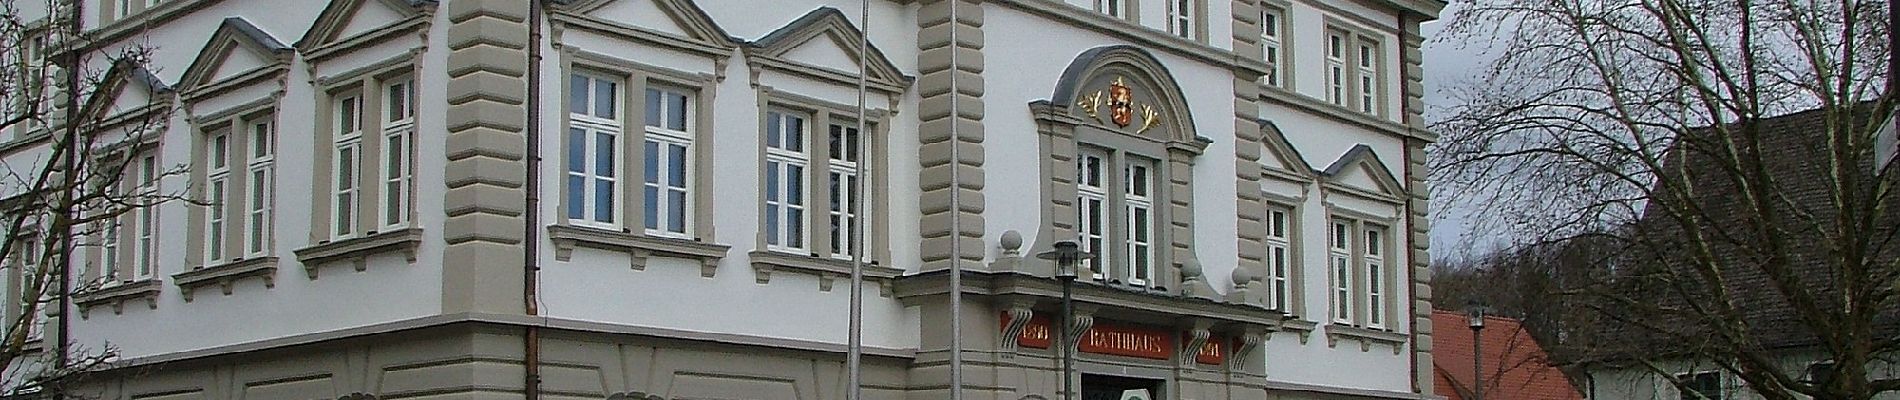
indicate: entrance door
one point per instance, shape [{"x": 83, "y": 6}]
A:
[{"x": 1109, "y": 387}]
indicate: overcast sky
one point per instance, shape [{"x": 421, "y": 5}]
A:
[{"x": 1448, "y": 63}]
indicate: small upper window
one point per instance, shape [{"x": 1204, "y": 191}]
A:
[
  {"x": 1181, "y": 18},
  {"x": 1114, "y": 8}
]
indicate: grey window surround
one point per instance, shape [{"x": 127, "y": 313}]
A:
[
  {"x": 1359, "y": 223},
  {"x": 118, "y": 295},
  {"x": 566, "y": 238},
  {"x": 128, "y": 153},
  {"x": 225, "y": 275},
  {"x": 1288, "y": 75},
  {"x": 1299, "y": 326},
  {"x": 1366, "y": 337},
  {"x": 821, "y": 114},
  {"x": 765, "y": 262},
  {"x": 235, "y": 124},
  {"x": 367, "y": 84},
  {"x": 1296, "y": 251},
  {"x": 359, "y": 249},
  {"x": 635, "y": 78},
  {"x": 1352, "y": 38}
]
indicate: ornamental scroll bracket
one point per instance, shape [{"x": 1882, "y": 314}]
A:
[{"x": 1019, "y": 316}]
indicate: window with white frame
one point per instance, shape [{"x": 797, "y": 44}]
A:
[
  {"x": 1091, "y": 190},
  {"x": 1181, "y": 21},
  {"x": 593, "y": 152},
  {"x": 31, "y": 284},
  {"x": 217, "y": 161},
  {"x": 145, "y": 254},
  {"x": 122, "y": 8},
  {"x": 346, "y": 157},
  {"x": 1114, "y": 8},
  {"x": 1138, "y": 207},
  {"x": 1272, "y": 37},
  {"x": 1368, "y": 76},
  {"x": 1375, "y": 277},
  {"x": 33, "y": 81},
  {"x": 786, "y": 161},
  {"x": 109, "y": 247},
  {"x": 1342, "y": 275},
  {"x": 260, "y": 165},
  {"x": 398, "y": 140},
  {"x": 1336, "y": 68},
  {"x": 846, "y": 207},
  {"x": 668, "y": 160},
  {"x": 1279, "y": 259}
]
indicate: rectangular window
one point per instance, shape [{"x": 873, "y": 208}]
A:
[
  {"x": 122, "y": 9},
  {"x": 1114, "y": 8},
  {"x": 593, "y": 152},
  {"x": 1368, "y": 76},
  {"x": 846, "y": 207},
  {"x": 1181, "y": 18},
  {"x": 785, "y": 165},
  {"x": 1342, "y": 271},
  {"x": 1701, "y": 386},
  {"x": 669, "y": 157},
  {"x": 1336, "y": 69},
  {"x": 1279, "y": 246},
  {"x": 1271, "y": 45},
  {"x": 217, "y": 185},
  {"x": 109, "y": 248},
  {"x": 1375, "y": 278},
  {"x": 399, "y": 126},
  {"x": 345, "y": 160},
  {"x": 257, "y": 207},
  {"x": 146, "y": 216},
  {"x": 1138, "y": 199},
  {"x": 1091, "y": 224}
]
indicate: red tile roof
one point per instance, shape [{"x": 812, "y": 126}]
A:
[{"x": 1515, "y": 367}]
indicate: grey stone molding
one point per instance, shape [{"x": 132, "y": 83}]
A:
[
  {"x": 566, "y": 238},
  {"x": 322, "y": 41},
  {"x": 225, "y": 274},
  {"x": 1315, "y": 106},
  {"x": 1138, "y": 34},
  {"x": 117, "y": 295},
  {"x": 1300, "y": 326},
  {"x": 486, "y": 198},
  {"x": 1365, "y": 336},
  {"x": 235, "y": 34},
  {"x": 358, "y": 249},
  {"x": 951, "y": 180},
  {"x": 1124, "y": 304},
  {"x": 764, "y": 262},
  {"x": 703, "y": 35},
  {"x": 1292, "y": 166},
  {"x": 768, "y": 52},
  {"x": 121, "y": 76},
  {"x": 1363, "y": 158}
]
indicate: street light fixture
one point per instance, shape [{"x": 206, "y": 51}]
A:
[
  {"x": 1067, "y": 255},
  {"x": 1474, "y": 316}
]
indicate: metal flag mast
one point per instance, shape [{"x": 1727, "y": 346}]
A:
[{"x": 854, "y": 349}]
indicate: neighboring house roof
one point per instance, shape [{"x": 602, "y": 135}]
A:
[
  {"x": 1515, "y": 367},
  {"x": 1797, "y": 143}
]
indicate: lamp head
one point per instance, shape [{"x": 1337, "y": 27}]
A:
[
  {"x": 1474, "y": 314},
  {"x": 1066, "y": 254}
]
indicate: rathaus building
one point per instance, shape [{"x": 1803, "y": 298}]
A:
[{"x": 664, "y": 199}]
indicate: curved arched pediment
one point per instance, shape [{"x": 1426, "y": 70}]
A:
[{"x": 1125, "y": 89}]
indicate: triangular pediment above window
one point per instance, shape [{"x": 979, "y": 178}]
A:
[
  {"x": 126, "y": 89},
  {"x": 351, "y": 23},
  {"x": 238, "y": 53},
  {"x": 1279, "y": 158},
  {"x": 671, "y": 23},
  {"x": 824, "y": 44},
  {"x": 1360, "y": 172}
]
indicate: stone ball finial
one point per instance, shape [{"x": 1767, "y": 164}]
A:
[
  {"x": 1244, "y": 276},
  {"x": 1191, "y": 269},
  {"x": 1012, "y": 242}
]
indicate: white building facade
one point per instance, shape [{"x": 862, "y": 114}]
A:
[{"x": 596, "y": 198}]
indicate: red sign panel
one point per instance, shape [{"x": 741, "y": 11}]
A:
[
  {"x": 1037, "y": 334},
  {"x": 1127, "y": 341},
  {"x": 1212, "y": 353}
]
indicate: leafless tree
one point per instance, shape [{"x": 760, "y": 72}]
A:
[
  {"x": 1722, "y": 150},
  {"x": 67, "y": 150}
]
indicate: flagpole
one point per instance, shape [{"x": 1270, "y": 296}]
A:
[{"x": 854, "y": 352}]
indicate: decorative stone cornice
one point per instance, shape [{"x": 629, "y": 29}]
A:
[
  {"x": 566, "y": 238},
  {"x": 828, "y": 270},
  {"x": 225, "y": 274},
  {"x": 1365, "y": 336}
]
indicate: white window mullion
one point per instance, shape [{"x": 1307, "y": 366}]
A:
[
  {"x": 786, "y": 164},
  {"x": 346, "y": 159},
  {"x": 668, "y": 164},
  {"x": 1279, "y": 247},
  {"x": 1138, "y": 205},
  {"x": 1375, "y": 278},
  {"x": 1342, "y": 274},
  {"x": 262, "y": 184},
  {"x": 1091, "y": 205}
]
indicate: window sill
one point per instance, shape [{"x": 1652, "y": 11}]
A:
[
  {"x": 117, "y": 295},
  {"x": 1299, "y": 326},
  {"x": 828, "y": 270},
  {"x": 223, "y": 275},
  {"x": 358, "y": 250},
  {"x": 1366, "y": 337},
  {"x": 566, "y": 238}
]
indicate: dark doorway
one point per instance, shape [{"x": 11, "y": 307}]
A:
[{"x": 1108, "y": 387}]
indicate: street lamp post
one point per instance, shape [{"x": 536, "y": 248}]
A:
[
  {"x": 1066, "y": 255},
  {"x": 1474, "y": 315}
]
